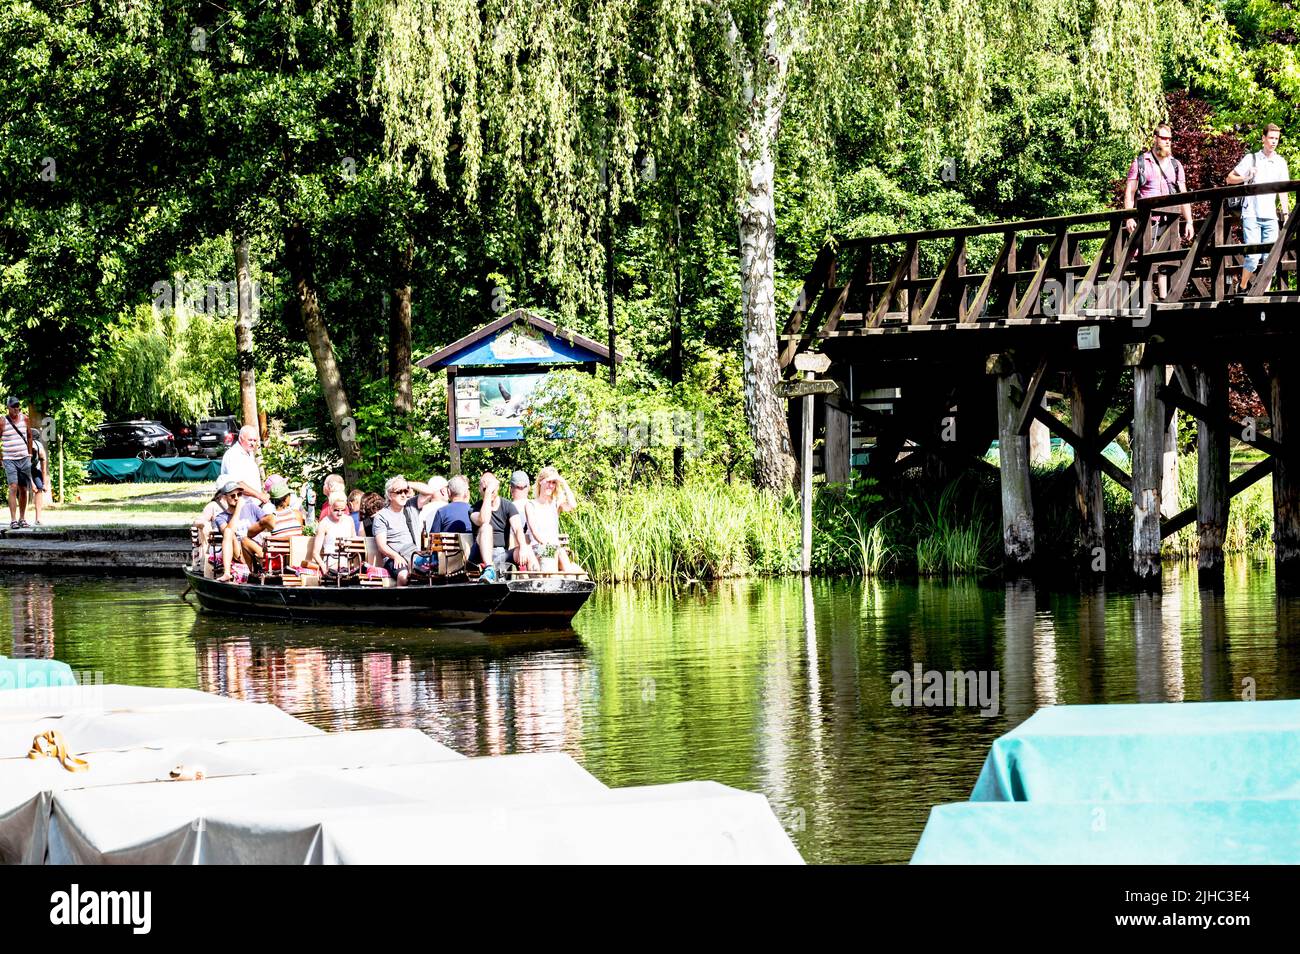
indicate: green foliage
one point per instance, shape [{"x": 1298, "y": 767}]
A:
[
  {"x": 615, "y": 437},
  {"x": 698, "y": 531},
  {"x": 849, "y": 530},
  {"x": 416, "y": 446}
]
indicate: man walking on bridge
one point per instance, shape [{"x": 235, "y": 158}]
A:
[
  {"x": 1259, "y": 212},
  {"x": 1156, "y": 172}
]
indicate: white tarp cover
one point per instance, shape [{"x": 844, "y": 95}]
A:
[
  {"x": 26, "y": 788},
  {"x": 284, "y": 793}
]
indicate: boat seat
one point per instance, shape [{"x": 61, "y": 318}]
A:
[
  {"x": 447, "y": 549},
  {"x": 277, "y": 557},
  {"x": 347, "y": 560},
  {"x": 211, "y": 555}
]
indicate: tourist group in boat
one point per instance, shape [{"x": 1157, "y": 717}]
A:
[{"x": 518, "y": 527}]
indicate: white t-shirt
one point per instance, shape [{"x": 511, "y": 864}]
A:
[
  {"x": 329, "y": 531},
  {"x": 1267, "y": 169},
  {"x": 239, "y": 464}
]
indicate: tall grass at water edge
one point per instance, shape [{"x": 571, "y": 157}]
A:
[{"x": 692, "y": 532}]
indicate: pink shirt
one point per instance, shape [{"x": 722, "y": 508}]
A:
[{"x": 1157, "y": 183}]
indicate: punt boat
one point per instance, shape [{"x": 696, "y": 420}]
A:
[{"x": 546, "y": 603}]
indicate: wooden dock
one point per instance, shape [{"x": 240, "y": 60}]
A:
[{"x": 139, "y": 551}]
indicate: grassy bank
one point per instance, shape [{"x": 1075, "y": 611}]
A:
[{"x": 128, "y": 505}]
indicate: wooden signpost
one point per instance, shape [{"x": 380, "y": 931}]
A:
[{"x": 809, "y": 364}]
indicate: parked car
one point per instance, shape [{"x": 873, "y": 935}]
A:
[
  {"x": 143, "y": 439},
  {"x": 216, "y": 434},
  {"x": 187, "y": 439}
]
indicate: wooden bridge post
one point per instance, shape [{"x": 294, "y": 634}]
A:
[
  {"x": 1148, "y": 451},
  {"x": 1013, "y": 468},
  {"x": 1212, "y": 458},
  {"x": 1286, "y": 477},
  {"x": 1169, "y": 460},
  {"x": 1085, "y": 416}
]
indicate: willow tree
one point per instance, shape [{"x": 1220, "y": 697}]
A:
[
  {"x": 910, "y": 68},
  {"x": 553, "y": 100},
  {"x": 525, "y": 100}
]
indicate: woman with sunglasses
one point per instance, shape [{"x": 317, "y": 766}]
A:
[{"x": 554, "y": 496}]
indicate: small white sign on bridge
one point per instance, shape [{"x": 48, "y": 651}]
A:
[
  {"x": 812, "y": 361},
  {"x": 1088, "y": 337}
]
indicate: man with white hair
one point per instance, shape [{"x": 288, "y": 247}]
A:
[
  {"x": 240, "y": 464},
  {"x": 392, "y": 533},
  {"x": 424, "y": 503}
]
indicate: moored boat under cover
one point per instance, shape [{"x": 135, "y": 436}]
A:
[
  {"x": 279, "y": 791},
  {"x": 1206, "y": 783}
]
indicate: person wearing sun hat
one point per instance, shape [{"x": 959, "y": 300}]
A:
[
  {"x": 217, "y": 513},
  {"x": 285, "y": 520}
]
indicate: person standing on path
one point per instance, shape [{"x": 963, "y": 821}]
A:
[
  {"x": 17, "y": 443},
  {"x": 1259, "y": 212},
  {"x": 40, "y": 474}
]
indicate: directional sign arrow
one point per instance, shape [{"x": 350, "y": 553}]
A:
[{"x": 800, "y": 387}]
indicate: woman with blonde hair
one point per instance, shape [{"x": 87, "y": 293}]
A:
[{"x": 553, "y": 497}]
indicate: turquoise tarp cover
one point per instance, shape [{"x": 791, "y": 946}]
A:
[
  {"x": 155, "y": 470},
  {"x": 34, "y": 673},
  {"x": 171, "y": 469},
  {"x": 1141, "y": 753},
  {"x": 1205, "y": 783},
  {"x": 118, "y": 471},
  {"x": 1244, "y": 831}
]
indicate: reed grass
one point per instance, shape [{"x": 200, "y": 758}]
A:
[{"x": 699, "y": 531}]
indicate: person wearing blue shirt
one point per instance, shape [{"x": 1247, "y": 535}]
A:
[{"x": 453, "y": 516}]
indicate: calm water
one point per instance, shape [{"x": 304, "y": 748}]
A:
[{"x": 747, "y": 683}]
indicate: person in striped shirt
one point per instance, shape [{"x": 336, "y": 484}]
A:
[{"x": 17, "y": 442}]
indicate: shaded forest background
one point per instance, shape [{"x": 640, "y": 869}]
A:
[{"x": 439, "y": 163}]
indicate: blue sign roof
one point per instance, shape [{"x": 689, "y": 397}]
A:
[{"x": 519, "y": 338}]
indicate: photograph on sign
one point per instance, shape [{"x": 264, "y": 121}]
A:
[
  {"x": 521, "y": 341},
  {"x": 490, "y": 407}
]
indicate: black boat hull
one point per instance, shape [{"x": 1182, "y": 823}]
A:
[{"x": 503, "y": 606}]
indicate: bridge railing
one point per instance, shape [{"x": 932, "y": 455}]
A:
[{"x": 1104, "y": 263}]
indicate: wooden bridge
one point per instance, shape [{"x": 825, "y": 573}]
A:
[{"x": 937, "y": 360}]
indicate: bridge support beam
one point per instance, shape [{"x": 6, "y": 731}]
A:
[
  {"x": 1013, "y": 466},
  {"x": 1212, "y": 457},
  {"x": 1286, "y": 474},
  {"x": 1085, "y": 416},
  {"x": 1148, "y": 454}
]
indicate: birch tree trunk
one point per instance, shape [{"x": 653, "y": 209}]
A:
[
  {"x": 246, "y": 314},
  {"x": 399, "y": 332},
  {"x": 297, "y": 245},
  {"x": 762, "y": 88}
]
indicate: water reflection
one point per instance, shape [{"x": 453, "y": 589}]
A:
[
  {"x": 31, "y": 618},
  {"x": 475, "y": 694},
  {"x": 781, "y": 687}
]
